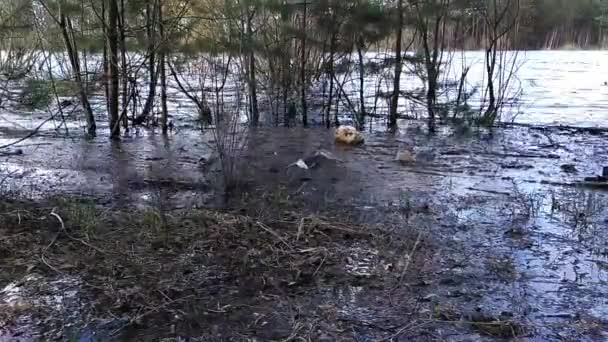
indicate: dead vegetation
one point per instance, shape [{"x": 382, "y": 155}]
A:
[
  {"x": 503, "y": 267},
  {"x": 579, "y": 207},
  {"x": 198, "y": 273},
  {"x": 498, "y": 327}
]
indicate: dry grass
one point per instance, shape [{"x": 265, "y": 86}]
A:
[
  {"x": 193, "y": 270},
  {"x": 503, "y": 267}
]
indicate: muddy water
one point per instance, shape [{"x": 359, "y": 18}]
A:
[{"x": 113, "y": 172}]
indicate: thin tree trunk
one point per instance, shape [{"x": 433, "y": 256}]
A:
[
  {"x": 72, "y": 51},
  {"x": 123, "y": 63},
  {"x": 324, "y": 68},
  {"x": 104, "y": 17},
  {"x": 285, "y": 77},
  {"x": 490, "y": 65},
  {"x": 331, "y": 72},
  {"x": 431, "y": 58},
  {"x": 113, "y": 82},
  {"x": 431, "y": 96},
  {"x": 362, "y": 113},
  {"x": 337, "y": 109},
  {"x": 433, "y": 71},
  {"x": 490, "y": 114},
  {"x": 151, "y": 36},
  {"x": 392, "y": 119},
  {"x": 286, "y": 118},
  {"x": 254, "y": 111},
  {"x": 163, "y": 72},
  {"x": 459, "y": 98},
  {"x": 303, "y": 69}
]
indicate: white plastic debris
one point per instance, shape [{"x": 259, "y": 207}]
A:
[{"x": 299, "y": 163}]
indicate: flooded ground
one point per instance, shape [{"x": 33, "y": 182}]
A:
[
  {"x": 515, "y": 237},
  {"x": 501, "y": 235},
  {"x": 517, "y": 232}
]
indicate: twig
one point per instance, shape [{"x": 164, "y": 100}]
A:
[
  {"x": 10, "y": 237},
  {"x": 142, "y": 315},
  {"x": 399, "y": 332},
  {"x": 31, "y": 134},
  {"x": 54, "y": 214},
  {"x": 49, "y": 265},
  {"x": 343, "y": 229},
  {"x": 489, "y": 191},
  {"x": 296, "y": 329},
  {"x": 409, "y": 260},
  {"x": 47, "y": 248},
  {"x": 275, "y": 234},
  {"x": 300, "y": 228},
  {"x": 321, "y": 264}
]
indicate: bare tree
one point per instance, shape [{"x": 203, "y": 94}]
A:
[
  {"x": 303, "y": 65},
  {"x": 500, "y": 18},
  {"x": 286, "y": 79},
  {"x": 253, "y": 93},
  {"x": 331, "y": 75},
  {"x": 113, "y": 74},
  {"x": 123, "y": 63},
  {"x": 362, "y": 112},
  {"x": 67, "y": 32},
  {"x": 392, "y": 117},
  {"x": 151, "y": 19},
  {"x": 431, "y": 18},
  {"x": 162, "y": 70}
]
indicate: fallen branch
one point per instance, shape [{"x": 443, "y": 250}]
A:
[
  {"x": 408, "y": 261},
  {"x": 11, "y": 153},
  {"x": 275, "y": 234},
  {"x": 521, "y": 155},
  {"x": 148, "y": 312},
  {"x": 494, "y": 192},
  {"x": 31, "y": 134}
]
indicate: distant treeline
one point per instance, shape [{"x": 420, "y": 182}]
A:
[
  {"x": 540, "y": 24},
  {"x": 555, "y": 24}
]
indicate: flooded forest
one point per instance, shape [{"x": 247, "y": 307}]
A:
[{"x": 303, "y": 170}]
